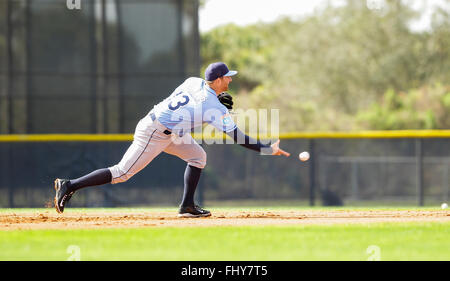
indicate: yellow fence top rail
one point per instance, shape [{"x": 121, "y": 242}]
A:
[
  {"x": 66, "y": 137},
  {"x": 371, "y": 134},
  {"x": 293, "y": 135}
]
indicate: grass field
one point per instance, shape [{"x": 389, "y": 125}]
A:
[{"x": 362, "y": 241}]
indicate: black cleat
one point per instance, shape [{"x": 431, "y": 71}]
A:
[
  {"x": 193, "y": 212},
  {"x": 63, "y": 194}
]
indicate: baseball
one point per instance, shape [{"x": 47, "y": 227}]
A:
[
  {"x": 304, "y": 156},
  {"x": 444, "y": 206}
]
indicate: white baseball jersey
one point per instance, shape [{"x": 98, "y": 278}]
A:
[{"x": 190, "y": 105}]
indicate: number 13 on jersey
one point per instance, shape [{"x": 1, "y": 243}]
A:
[{"x": 178, "y": 101}]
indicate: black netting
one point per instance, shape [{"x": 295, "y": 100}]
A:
[
  {"x": 98, "y": 69},
  {"x": 347, "y": 171}
]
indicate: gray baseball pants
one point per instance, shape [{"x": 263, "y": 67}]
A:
[{"x": 148, "y": 142}]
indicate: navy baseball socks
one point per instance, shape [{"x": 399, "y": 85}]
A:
[
  {"x": 188, "y": 207},
  {"x": 97, "y": 177},
  {"x": 191, "y": 179},
  {"x": 66, "y": 188}
]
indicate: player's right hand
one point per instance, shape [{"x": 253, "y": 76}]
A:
[{"x": 276, "y": 150}]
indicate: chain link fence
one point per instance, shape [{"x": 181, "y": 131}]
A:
[{"x": 357, "y": 172}]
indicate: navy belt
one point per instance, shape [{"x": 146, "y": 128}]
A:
[{"x": 152, "y": 115}]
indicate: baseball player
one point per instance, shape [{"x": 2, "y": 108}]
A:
[{"x": 166, "y": 128}]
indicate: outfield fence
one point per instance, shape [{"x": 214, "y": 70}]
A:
[{"x": 356, "y": 168}]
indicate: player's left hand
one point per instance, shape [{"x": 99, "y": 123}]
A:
[
  {"x": 276, "y": 150},
  {"x": 226, "y": 99}
]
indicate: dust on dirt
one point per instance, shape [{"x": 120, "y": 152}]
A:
[{"x": 49, "y": 219}]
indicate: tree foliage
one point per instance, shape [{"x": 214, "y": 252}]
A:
[
  {"x": 424, "y": 108},
  {"x": 324, "y": 71}
]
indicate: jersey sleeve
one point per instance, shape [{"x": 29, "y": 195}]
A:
[{"x": 221, "y": 119}]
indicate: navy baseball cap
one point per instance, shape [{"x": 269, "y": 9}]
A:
[{"x": 217, "y": 70}]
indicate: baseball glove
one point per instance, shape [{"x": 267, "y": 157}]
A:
[{"x": 226, "y": 99}]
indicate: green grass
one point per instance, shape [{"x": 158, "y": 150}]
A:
[{"x": 396, "y": 241}]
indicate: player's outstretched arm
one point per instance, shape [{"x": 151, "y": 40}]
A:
[
  {"x": 276, "y": 150},
  {"x": 242, "y": 139}
]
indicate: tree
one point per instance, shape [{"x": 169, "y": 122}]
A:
[{"x": 322, "y": 70}]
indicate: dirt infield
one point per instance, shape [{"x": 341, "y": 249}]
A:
[{"x": 87, "y": 220}]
